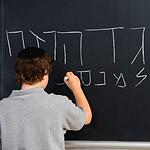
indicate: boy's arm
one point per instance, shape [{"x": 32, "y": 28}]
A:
[{"x": 74, "y": 84}]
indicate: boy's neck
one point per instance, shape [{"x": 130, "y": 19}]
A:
[{"x": 27, "y": 86}]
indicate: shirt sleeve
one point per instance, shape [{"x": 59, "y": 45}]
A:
[
  {"x": 0, "y": 145},
  {"x": 74, "y": 116},
  {"x": 0, "y": 138}
]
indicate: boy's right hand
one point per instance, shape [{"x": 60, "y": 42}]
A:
[{"x": 73, "y": 81}]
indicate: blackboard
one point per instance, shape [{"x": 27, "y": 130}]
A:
[{"x": 104, "y": 42}]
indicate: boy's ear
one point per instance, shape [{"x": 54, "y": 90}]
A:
[
  {"x": 45, "y": 71},
  {"x": 44, "y": 75},
  {"x": 43, "y": 78}
]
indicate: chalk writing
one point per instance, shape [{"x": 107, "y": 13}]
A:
[
  {"x": 60, "y": 83},
  {"x": 86, "y": 75},
  {"x": 81, "y": 41},
  {"x": 118, "y": 79},
  {"x": 8, "y": 39},
  {"x": 87, "y": 80},
  {"x": 49, "y": 32},
  {"x": 65, "y": 55},
  {"x": 142, "y": 47},
  {"x": 76, "y": 32},
  {"x": 81, "y": 76},
  {"x": 141, "y": 76},
  {"x": 113, "y": 38},
  {"x": 37, "y": 38},
  {"x": 104, "y": 79}
]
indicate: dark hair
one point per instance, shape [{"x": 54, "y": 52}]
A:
[{"x": 31, "y": 71}]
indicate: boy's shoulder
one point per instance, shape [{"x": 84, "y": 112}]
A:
[
  {"x": 3, "y": 103},
  {"x": 4, "y": 100},
  {"x": 59, "y": 98}
]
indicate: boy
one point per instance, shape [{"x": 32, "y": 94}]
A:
[{"x": 31, "y": 119}]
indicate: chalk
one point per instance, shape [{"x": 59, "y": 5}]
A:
[{"x": 66, "y": 78}]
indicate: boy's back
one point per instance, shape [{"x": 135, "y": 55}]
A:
[
  {"x": 31, "y": 119},
  {"x": 34, "y": 120}
]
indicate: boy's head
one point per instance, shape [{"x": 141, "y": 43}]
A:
[{"x": 31, "y": 65}]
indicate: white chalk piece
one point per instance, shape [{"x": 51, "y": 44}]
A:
[{"x": 66, "y": 78}]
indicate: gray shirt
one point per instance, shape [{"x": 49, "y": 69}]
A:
[{"x": 34, "y": 120}]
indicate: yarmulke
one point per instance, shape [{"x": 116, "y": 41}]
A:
[{"x": 31, "y": 53}]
